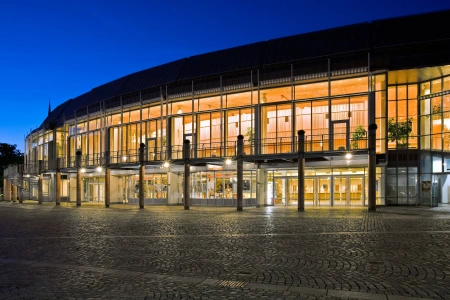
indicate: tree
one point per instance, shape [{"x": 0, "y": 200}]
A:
[
  {"x": 9, "y": 155},
  {"x": 399, "y": 131}
]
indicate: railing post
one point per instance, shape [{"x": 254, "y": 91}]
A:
[
  {"x": 372, "y": 168},
  {"x": 107, "y": 180},
  {"x": 79, "y": 180},
  {"x": 187, "y": 174},
  {"x": 58, "y": 181},
  {"x": 240, "y": 172},
  {"x": 301, "y": 171},
  {"x": 141, "y": 175}
]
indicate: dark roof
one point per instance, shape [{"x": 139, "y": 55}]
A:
[{"x": 382, "y": 38}]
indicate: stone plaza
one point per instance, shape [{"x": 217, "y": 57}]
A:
[{"x": 93, "y": 252}]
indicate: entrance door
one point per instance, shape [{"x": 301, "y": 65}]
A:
[
  {"x": 323, "y": 191},
  {"x": 191, "y": 138},
  {"x": 286, "y": 191},
  {"x": 340, "y": 191},
  {"x": 280, "y": 191},
  {"x": 292, "y": 191},
  {"x": 348, "y": 190},
  {"x": 356, "y": 190},
  {"x": 340, "y": 133},
  {"x": 152, "y": 153}
]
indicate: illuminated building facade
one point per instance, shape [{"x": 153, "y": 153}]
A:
[{"x": 332, "y": 84}]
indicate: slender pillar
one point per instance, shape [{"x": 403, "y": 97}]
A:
[
  {"x": 187, "y": 173},
  {"x": 79, "y": 179},
  {"x": 107, "y": 180},
  {"x": 372, "y": 168},
  {"x": 141, "y": 174},
  {"x": 301, "y": 171},
  {"x": 240, "y": 172},
  {"x": 40, "y": 185},
  {"x": 58, "y": 181},
  {"x": 21, "y": 183}
]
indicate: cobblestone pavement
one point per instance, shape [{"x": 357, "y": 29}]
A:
[{"x": 92, "y": 252}]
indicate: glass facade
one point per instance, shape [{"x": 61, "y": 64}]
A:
[{"x": 413, "y": 119}]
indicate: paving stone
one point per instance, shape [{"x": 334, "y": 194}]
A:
[{"x": 216, "y": 253}]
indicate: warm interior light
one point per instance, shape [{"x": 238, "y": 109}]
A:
[
  {"x": 124, "y": 158},
  {"x": 179, "y": 111},
  {"x": 348, "y": 156}
]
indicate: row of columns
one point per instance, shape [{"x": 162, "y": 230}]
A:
[{"x": 186, "y": 187}]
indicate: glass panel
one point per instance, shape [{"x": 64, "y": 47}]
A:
[
  {"x": 436, "y": 86},
  {"x": 340, "y": 109},
  {"x": 293, "y": 191},
  {"x": 182, "y": 107},
  {"x": 340, "y": 191},
  {"x": 323, "y": 196},
  {"x": 446, "y": 83},
  {"x": 319, "y": 125},
  {"x": 303, "y": 117},
  {"x": 210, "y": 103},
  {"x": 356, "y": 190},
  {"x": 240, "y": 99},
  {"x": 276, "y": 95},
  {"x": 309, "y": 191},
  {"x": 280, "y": 191},
  {"x": 312, "y": 90},
  {"x": 402, "y": 92},
  {"x": 135, "y": 115},
  {"x": 349, "y": 86},
  {"x": 340, "y": 137}
]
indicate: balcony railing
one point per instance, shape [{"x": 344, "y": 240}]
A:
[{"x": 270, "y": 146}]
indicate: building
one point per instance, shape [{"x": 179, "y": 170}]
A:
[{"x": 332, "y": 84}]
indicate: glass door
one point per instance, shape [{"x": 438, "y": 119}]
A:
[
  {"x": 280, "y": 191},
  {"x": 340, "y": 135},
  {"x": 356, "y": 190},
  {"x": 191, "y": 138},
  {"x": 309, "y": 191},
  {"x": 293, "y": 191},
  {"x": 323, "y": 191},
  {"x": 340, "y": 191}
]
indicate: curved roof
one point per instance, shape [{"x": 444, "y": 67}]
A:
[{"x": 381, "y": 38}]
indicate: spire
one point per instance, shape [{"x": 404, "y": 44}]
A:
[{"x": 49, "y": 108}]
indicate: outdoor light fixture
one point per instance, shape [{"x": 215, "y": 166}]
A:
[
  {"x": 166, "y": 164},
  {"x": 348, "y": 156},
  {"x": 83, "y": 170},
  {"x": 99, "y": 169},
  {"x": 228, "y": 161}
]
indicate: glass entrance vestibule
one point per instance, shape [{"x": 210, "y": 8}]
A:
[{"x": 323, "y": 187}]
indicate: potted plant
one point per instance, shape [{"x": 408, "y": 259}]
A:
[
  {"x": 399, "y": 131},
  {"x": 358, "y": 134},
  {"x": 250, "y": 135}
]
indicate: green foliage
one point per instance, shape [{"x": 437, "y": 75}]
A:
[
  {"x": 358, "y": 134},
  {"x": 9, "y": 155},
  {"x": 399, "y": 131},
  {"x": 250, "y": 135}
]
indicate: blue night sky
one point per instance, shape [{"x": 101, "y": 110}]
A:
[{"x": 61, "y": 49}]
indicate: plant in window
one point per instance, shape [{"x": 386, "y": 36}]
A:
[
  {"x": 399, "y": 131},
  {"x": 358, "y": 134},
  {"x": 250, "y": 135}
]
